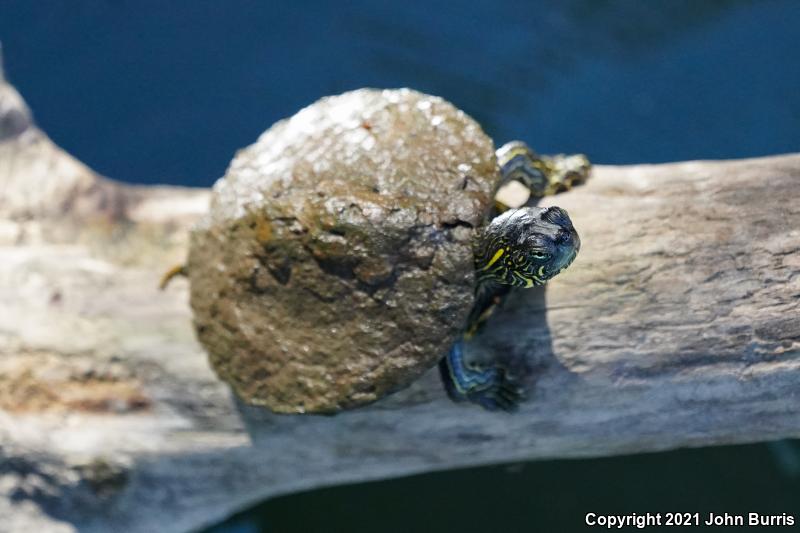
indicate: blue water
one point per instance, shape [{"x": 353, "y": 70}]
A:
[
  {"x": 153, "y": 91},
  {"x": 150, "y": 91},
  {"x": 546, "y": 496}
]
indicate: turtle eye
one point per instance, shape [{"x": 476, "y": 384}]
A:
[{"x": 540, "y": 255}]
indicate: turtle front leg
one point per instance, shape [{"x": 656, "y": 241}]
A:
[
  {"x": 469, "y": 375},
  {"x": 542, "y": 175},
  {"x": 565, "y": 171},
  {"x": 490, "y": 385}
]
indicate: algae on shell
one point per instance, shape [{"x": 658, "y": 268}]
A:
[{"x": 335, "y": 265}]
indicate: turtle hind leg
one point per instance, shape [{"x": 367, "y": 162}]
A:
[{"x": 491, "y": 387}]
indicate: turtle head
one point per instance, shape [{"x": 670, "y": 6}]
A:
[{"x": 526, "y": 247}]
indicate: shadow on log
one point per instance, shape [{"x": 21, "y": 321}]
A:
[{"x": 678, "y": 325}]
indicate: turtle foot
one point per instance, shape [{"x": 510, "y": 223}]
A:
[
  {"x": 565, "y": 172},
  {"x": 490, "y": 386}
]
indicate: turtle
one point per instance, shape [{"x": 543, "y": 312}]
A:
[
  {"x": 520, "y": 248},
  {"x": 359, "y": 242}
]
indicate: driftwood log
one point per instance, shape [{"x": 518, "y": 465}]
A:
[{"x": 677, "y": 326}]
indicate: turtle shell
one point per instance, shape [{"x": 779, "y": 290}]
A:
[{"x": 335, "y": 265}]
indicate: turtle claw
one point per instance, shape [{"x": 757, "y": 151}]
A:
[
  {"x": 493, "y": 388},
  {"x": 497, "y": 403}
]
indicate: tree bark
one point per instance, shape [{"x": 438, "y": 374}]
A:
[{"x": 676, "y": 326}]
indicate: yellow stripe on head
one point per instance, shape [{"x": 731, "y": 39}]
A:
[{"x": 497, "y": 255}]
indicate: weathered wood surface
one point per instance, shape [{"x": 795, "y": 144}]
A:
[{"x": 677, "y": 326}]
